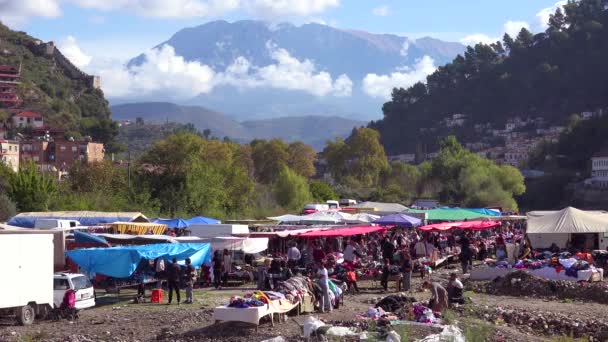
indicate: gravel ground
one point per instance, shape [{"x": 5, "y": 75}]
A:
[{"x": 122, "y": 321}]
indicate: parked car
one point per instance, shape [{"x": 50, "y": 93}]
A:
[{"x": 85, "y": 293}]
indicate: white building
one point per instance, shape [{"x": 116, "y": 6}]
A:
[
  {"x": 407, "y": 157},
  {"x": 599, "y": 170},
  {"x": 516, "y": 157},
  {"x": 9, "y": 154}
]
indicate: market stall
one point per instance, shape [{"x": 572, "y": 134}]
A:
[{"x": 137, "y": 228}]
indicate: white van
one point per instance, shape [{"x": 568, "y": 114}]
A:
[
  {"x": 52, "y": 223},
  {"x": 85, "y": 293}
]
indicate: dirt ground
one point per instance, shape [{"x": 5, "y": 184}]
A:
[{"x": 117, "y": 319}]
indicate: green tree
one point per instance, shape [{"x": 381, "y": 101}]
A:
[
  {"x": 291, "y": 189},
  {"x": 302, "y": 159},
  {"x": 321, "y": 191},
  {"x": 8, "y": 208},
  {"x": 269, "y": 157},
  {"x": 31, "y": 190}
]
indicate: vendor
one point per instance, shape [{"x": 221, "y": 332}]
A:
[
  {"x": 455, "y": 289},
  {"x": 439, "y": 296},
  {"x": 293, "y": 255},
  {"x": 325, "y": 302}
]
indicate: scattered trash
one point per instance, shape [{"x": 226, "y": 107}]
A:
[
  {"x": 450, "y": 333},
  {"x": 276, "y": 339},
  {"x": 393, "y": 337},
  {"x": 311, "y": 324},
  {"x": 341, "y": 332}
]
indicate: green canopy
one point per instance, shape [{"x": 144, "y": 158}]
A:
[{"x": 451, "y": 214}]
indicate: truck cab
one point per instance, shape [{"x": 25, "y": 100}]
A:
[{"x": 79, "y": 283}]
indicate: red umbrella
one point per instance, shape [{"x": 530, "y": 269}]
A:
[{"x": 472, "y": 225}]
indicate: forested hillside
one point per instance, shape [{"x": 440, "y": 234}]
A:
[
  {"x": 64, "y": 97},
  {"x": 550, "y": 75}
]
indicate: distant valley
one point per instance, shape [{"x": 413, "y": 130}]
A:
[{"x": 313, "y": 130}]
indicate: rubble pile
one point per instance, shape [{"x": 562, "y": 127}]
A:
[
  {"x": 549, "y": 323},
  {"x": 521, "y": 283}
]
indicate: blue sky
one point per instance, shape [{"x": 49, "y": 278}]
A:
[{"x": 100, "y": 35}]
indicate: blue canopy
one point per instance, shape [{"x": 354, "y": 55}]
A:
[
  {"x": 202, "y": 220},
  {"x": 483, "y": 211},
  {"x": 82, "y": 237},
  {"x": 401, "y": 220},
  {"x": 86, "y": 218},
  {"x": 121, "y": 262},
  {"x": 172, "y": 223}
]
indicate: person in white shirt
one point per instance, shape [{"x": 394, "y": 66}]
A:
[
  {"x": 159, "y": 268},
  {"x": 325, "y": 302},
  {"x": 349, "y": 252},
  {"x": 455, "y": 289},
  {"x": 293, "y": 255}
]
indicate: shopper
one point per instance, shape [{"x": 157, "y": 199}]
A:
[
  {"x": 218, "y": 269},
  {"x": 455, "y": 289},
  {"x": 174, "y": 273},
  {"x": 386, "y": 271},
  {"x": 190, "y": 279},
  {"x": 293, "y": 256},
  {"x": 407, "y": 266},
  {"x": 325, "y": 302},
  {"x": 439, "y": 296}
]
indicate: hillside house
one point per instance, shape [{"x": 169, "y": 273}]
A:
[
  {"x": 515, "y": 157},
  {"x": 27, "y": 119},
  {"x": 407, "y": 157}
]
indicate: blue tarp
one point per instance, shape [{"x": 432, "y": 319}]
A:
[
  {"x": 172, "y": 223},
  {"x": 400, "y": 220},
  {"x": 121, "y": 262},
  {"x": 202, "y": 220},
  {"x": 28, "y": 220},
  {"x": 82, "y": 237}
]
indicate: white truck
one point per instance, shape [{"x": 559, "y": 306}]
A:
[
  {"x": 26, "y": 290},
  {"x": 53, "y": 223}
]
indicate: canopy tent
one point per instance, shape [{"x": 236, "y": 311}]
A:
[
  {"x": 86, "y": 218},
  {"x": 362, "y": 218},
  {"x": 484, "y": 211},
  {"x": 202, "y": 220},
  {"x": 567, "y": 225},
  {"x": 321, "y": 217},
  {"x": 121, "y": 262},
  {"x": 246, "y": 245},
  {"x": 567, "y": 220},
  {"x": 401, "y": 220},
  {"x": 172, "y": 223},
  {"x": 343, "y": 232},
  {"x": 471, "y": 225},
  {"x": 285, "y": 233},
  {"x": 449, "y": 214},
  {"x": 138, "y": 228}
]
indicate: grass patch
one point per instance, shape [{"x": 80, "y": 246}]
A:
[
  {"x": 570, "y": 338},
  {"x": 568, "y": 300},
  {"x": 477, "y": 331},
  {"x": 449, "y": 317}
]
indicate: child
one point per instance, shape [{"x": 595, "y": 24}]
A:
[{"x": 351, "y": 280}]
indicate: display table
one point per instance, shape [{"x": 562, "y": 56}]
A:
[
  {"x": 491, "y": 273},
  {"x": 253, "y": 314}
]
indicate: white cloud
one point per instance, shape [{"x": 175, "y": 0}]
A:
[
  {"x": 277, "y": 8},
  {"x": 382, "y": 85},
  {"x": 69, "y": 47},
  {"x": 205, "y": 8},
  {"x": 167, "y": 75},
  {"x": 163, "y": 73},
  {"x": 16, "y": 13},
  {"x": 510, "y": 27},
  {"x": 544, "y": 14},
  {"x": 381, "y": 11},
  {"x": 405, "y": 47},
  {"x": 287, "y": 73}
]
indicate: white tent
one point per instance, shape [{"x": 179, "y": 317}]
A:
[
  {"x": 547, "y": 227},
  {"x": 384, "y": 208},
  {"x": 362, "y": 218}
]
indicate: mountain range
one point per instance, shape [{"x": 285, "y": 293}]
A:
[
  {"x": 312, "y": 130},
  {"x": 335, "y": 51}
]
